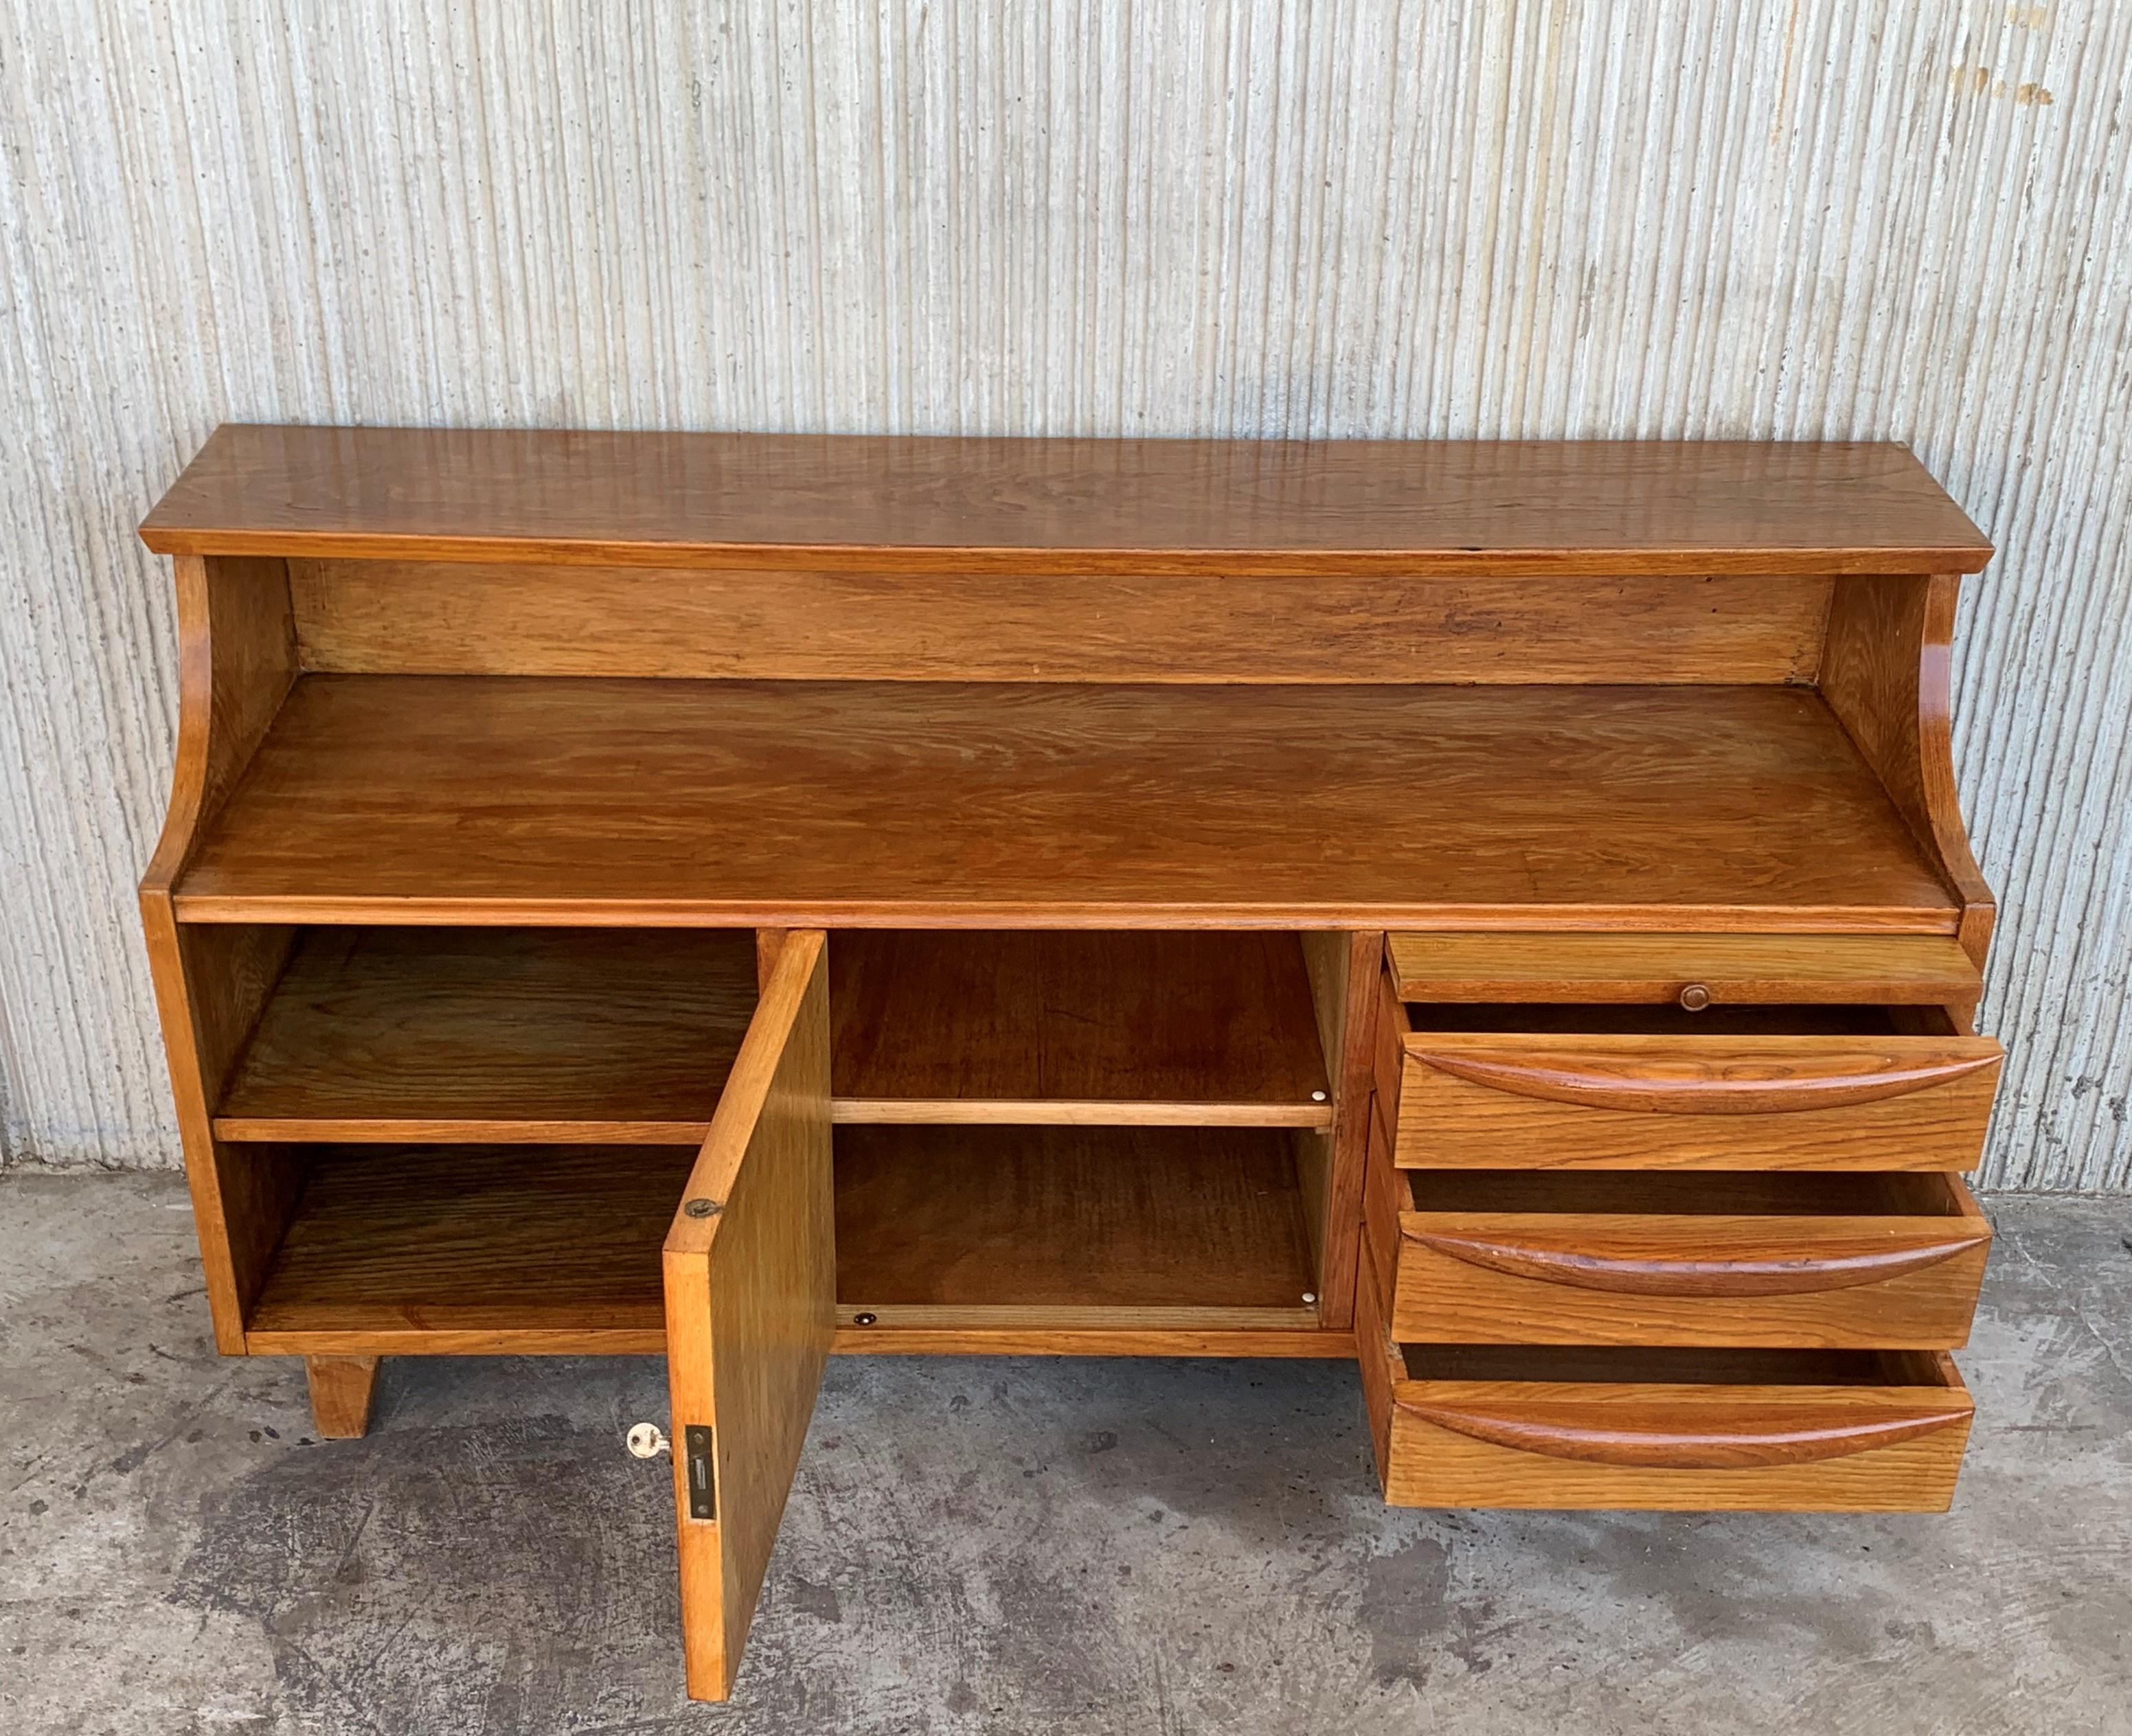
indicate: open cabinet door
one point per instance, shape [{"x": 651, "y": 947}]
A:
[{"x": 751, "y": 1273}]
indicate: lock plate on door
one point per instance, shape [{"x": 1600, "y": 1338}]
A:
[{"x": 702, "y": 1484}]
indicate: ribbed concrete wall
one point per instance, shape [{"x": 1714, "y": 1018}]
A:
[{"x": 1352, "y": 217}]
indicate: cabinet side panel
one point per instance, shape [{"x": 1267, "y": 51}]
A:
[
  {"x": 237, "y": 661},
  {"x": 1884, "y": 674}
]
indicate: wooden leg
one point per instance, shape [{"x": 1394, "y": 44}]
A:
[{"x": 341, "y": 1389}]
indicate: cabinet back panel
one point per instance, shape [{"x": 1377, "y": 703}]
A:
[{"x": 437, "y": 618}]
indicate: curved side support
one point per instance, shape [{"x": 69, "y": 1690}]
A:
[
  {"x": 1884, "y": 672},
  {"x": 237, "y": 661}
]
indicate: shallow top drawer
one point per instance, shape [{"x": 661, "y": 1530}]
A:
[{"x": 1694, "y": 970}]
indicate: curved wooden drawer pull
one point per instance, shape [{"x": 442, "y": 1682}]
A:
[
  {"x": 1831, "y": 1267},
  {"x": 1750, "y": 1436},
  {"x": 1737, "y": 1087}
]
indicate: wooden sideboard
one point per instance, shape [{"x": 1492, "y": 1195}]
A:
[{"x": 1498, "y": 912}]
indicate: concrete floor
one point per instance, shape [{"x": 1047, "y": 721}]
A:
[{"x": 977, "y": 1545}]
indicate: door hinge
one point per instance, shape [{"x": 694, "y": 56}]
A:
[{"x": 702, "y": 1482}]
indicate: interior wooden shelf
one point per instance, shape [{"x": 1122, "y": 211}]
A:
[
  {"x": 1181, "y": 1029},
  {"x": 625, "y": 1037},
  {"x": 495, "y": 1034},
  {"x": 514, "y": 1248},
  {"x": 509, "y": 799},
  {"x": 499, "y": 1249},
  {"x": 1143, "y": 1226}
]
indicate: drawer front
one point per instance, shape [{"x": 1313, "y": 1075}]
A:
[
  {"x": 1630, "y": 1445},
  {"x": 1492, "y": 1100},
  {"x": 1680, "y": 1277},
  {"x": 1714, "y": 970},
  {"x": 1892, "y": 1446}
]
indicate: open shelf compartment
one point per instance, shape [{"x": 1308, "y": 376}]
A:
[
  {"x": 606, "y": 1036},
  {"x": 482, "y": 799},
  {"x": 398, "y": 1249},
  {"x": 1148, "y": 1227},
  {"x": 627, "y": 1036},
  {"x": 1066, "y": 1026},
  {"x": 393, "y": 1249}
]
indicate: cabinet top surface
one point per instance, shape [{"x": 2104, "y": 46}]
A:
[{"x": 895, "y": 502}]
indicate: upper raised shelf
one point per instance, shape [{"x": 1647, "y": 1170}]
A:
[
  {"x": 1243, "y": 507},
  {"x": 388, "y": 798}
]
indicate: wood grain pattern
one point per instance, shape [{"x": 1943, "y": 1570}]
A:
[
  {"x": 769, "y": 943},
  {"x": 1784, "y": 1259},
  {"x": 1388, "y": 1051},
  {"x": 627, "y": 1329},
  {"x": 1377, "y": 1360},
  {"x": 988, "y": 505},
  {"x": 494, "y": 800},
  {"x": 1059, "y": 1321},
  {"x": 1387, "y": 1192},
  {"x": 427, "y": 1249},
  {"x": 1801, "y": 1256},
  {"x": 462, "y": 618},
  {"x": 1189, "y": 1030},
  {"x": 1714, "y": 1077},
  {"x": 1885, "y": 675},
  {"x": 1853, "y": 1370},
  {"x": 1279, "y": 1341},
  {"x": 342, "y": 1388},
  {"x": 1715, "y": 1025},
  {"x": 489, "y": 1035},
  {"x": 1650, "y": 969},
  {"x": 1126, "y": 1218},
  {"x": 1325, "y": 957},
  {"x": 647, "y": 1337},
  {"x": 1729, "y": 1433},
  {"x": 1488, "y": 1101},
  {"x": 1345, "y": 970},
  {"x": 1889, "y": 1439},
  {"x": 1658, "y": 1396},
  {"x": 1072, "y": 1112},
  {"x": 750, "y": 1306},
  {"x": 237, "y": 659},
  {"x": 212, "y": 983}
]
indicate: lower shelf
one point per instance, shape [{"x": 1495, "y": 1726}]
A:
[
  {"x": 474, "y": 1249},
  {"x": 1141, "y": 1226},
  {"x": 1103, "y": 1239}
]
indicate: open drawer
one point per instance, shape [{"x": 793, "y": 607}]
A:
[
  {"x": 1612, "y": 1087},
  {"x": 1540, "y": 1427},
  {"x": 1783, "y": 1258}
]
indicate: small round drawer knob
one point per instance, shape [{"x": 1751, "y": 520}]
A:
[{"x": 1695, "y": 997}]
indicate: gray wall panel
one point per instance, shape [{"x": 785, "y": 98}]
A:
[{"x": 1655, "y": 217}]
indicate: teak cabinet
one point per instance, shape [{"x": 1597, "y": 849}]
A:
[{"x": 1496, "y": 912}]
